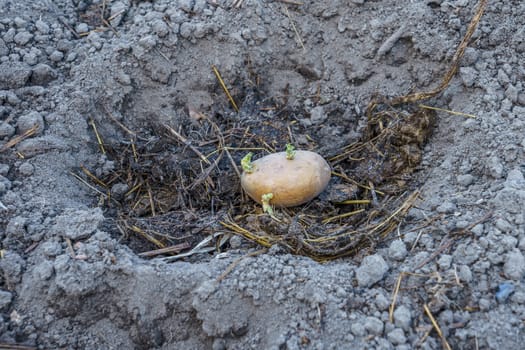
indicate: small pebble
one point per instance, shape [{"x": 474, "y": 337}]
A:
[
  {"x": 514, "y": 267},
  {"x": 317, "y": 115},
  {"x": 397, "y": 337},
  {"x": 28, "y": 121},
  {"x": 82, "y": 28},
  {"x": 23, "y": 38},
  {"x": 403, "y": 317},
  {"x": 26, "y": 169},
  {"x": 446, "y": 208},
  {"x": 6, "y": 130},
  {"x": 373, "y": 268},
  {"x": 42, "y": 26},
  {"x": 465, "y": 180},
  {"x": 397, "y": 250},
  {"x": 468, "y": 76},
  {"x": 444, "y": 262},
  {"x": 374, "y": 325},
  {"x": 56, "y": 56}
]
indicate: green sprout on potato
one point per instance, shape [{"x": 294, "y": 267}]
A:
[
  {"x": 265, "y": 200},
  {"x": 290, "y": 151},
  {"x": 246, "y": 163}
]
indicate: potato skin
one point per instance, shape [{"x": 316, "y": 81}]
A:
[{"x": 292, "y": 182}]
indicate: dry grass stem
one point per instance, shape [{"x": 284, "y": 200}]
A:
[
  {"x": 99, "y": 139},
  {"x": 14, "y": 141},
  {"x": 226, "y": 91},
  {"x": 436, "y": 327},
  {"x": 292, "y": 23}
]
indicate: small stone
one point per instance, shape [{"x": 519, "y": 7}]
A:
[
  {"x": 495, "y": 167},
  {"x": 71, "y": 57},
  {"x": 78, "y": 224},
  {"x": 42, "y": 26},
  {"x": 44, "y": 270},
  {"x": 200, "y": 30},
  {"x": 5, "y": 298},
  {"x": 358, "y": 329},
  {"x": 317, "y": 115},
  {"x": 466, "y": 253},
  {"x": 382, "y": 302},
  {"x": 6, "y": 130},
  {"x": 219, "y": 344},
  {"x": 464, "y": 273},
  {"x": 4, "y": 169},
  {"x": 82, "y": 28},
  {"x": 119, "y": 189},
  {"x": 521, "y": 98},
  {"x": 11, "y": 267},
  {"x": 199, "y": 6},
  {"x": 468, "y": 76},
  {"x": 160, "y": 28},
  {"x": 397, "y": 337},
  {"x": 470, "y": 57},
  {"x": 514, "y": 267},
  {"x": 31, "y": 58},
  {"x": 236, "y": 242},
  {"x": 484, "y": 304},
  {"x": 403, "y": 317},
  {"x": 56, "y": 56},
  {"x": 9, "y": 35},
  {"x": 51, "y": 249},
  {"x": 23, "y": 38},
  {"x": 5, "y": 184},
  {"x": 465, "y": 180},
  {"x": 512, "y": 93},
  {"x": 28, "y": 121},
  {"x": 118, "y": 11},
  {"x": 42, "y": 74},
  {"x": 515, "y": 179},
  {"x": 95, "y": 40},
  {"x": 14, "y": 75},
  {"x": 4, "y": 50},
  {"x": 11, "y": 98},
  {"x": 374, "y": 325},
  {"x": 26, "y": 169},
  {"x": 503, "y": 225},
  {"x": 186, "y": 5},
  {"x": 373, "y": 268},
  {"x": 397, "y": 250},
  {"x": 444, "y": 262},
  {"x": 446, "y": 208},
  {"x": 186, "y": 30}
]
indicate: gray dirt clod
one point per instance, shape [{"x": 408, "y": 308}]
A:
[
  {"x": 78, "y": 224},
  {"x": 514, "y": 267},
  {"x": 397, "y": 250},
  {"x": 30, "y": 120},
  {"x": 374, "y": 325},
  {"x": 403, "y": 317},
  {"x": 397, "y": 336},
  {"x": 14, "y": 75},
  {"x": 372, "y": 270}
]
